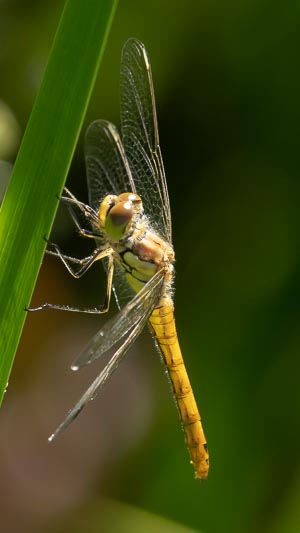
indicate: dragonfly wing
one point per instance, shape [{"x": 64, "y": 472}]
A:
[
  {"x": 108, "y": 172},
  {"x": 107, "y": 168},
  {"x": 101, "y": 380},
  {"x": 123, "y": 292},
  {"x": 140, "y": 135},
  {"x": 117, "y": 327}
]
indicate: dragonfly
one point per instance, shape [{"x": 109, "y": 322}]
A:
[{"x": 128, "y": 216}]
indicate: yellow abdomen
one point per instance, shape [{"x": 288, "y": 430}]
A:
[{"x": 163, "y": 323}]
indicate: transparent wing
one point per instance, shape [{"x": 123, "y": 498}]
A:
[
  {"x": 100, "y": 380},
  {"x": 117, "y": 327},
  {"x": 123, "y": 292},
  {"x": 140, "y": 136},
  {"x": 107, "y": 168},
  {"x": 108, "y": 172}
]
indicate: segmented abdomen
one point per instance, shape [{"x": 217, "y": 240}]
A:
[{"x": 163, "y": 323}]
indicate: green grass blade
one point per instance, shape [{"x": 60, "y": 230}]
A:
[{"x": 43, "y": 161}]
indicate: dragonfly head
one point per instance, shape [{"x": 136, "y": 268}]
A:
[{"x": 117, "y": 213}]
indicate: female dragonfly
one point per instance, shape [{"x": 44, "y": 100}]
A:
[{"x": 129, "y": 219}]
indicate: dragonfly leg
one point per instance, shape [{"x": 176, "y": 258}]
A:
[
  {"x": 74, "y": 260},
  {"x": 87, "y": 263},
  {"x": 70, "y": 200},
  {"x": 110, "y": 274},
  {"x": 83, "y": 232},
  {"x": 85, "y": 209}
]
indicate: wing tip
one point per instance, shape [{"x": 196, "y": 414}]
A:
[{"x": 52, "y": 437}]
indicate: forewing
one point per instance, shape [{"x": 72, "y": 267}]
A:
[
  {"x": 117, "y": 327},
  {"x": 140, "y": 135},
  {"x": 107, "y": 168}
]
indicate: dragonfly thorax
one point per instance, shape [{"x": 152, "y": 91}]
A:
[{"x": 117, "y": 215}]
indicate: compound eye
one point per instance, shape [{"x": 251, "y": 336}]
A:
[
  {"x": 130, "y": 196},
  {"x": 105, "y": 207},
  {"x": 118, "y": 220}
]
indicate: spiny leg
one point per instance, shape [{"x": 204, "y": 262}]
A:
[
  {"x": 85, "y": 209},
  {"x": 90, "y": 260},
  {"x": 88, "y": 212},
  {"x": 85, "y": 262},
  {"x": 83, "y": 232}
]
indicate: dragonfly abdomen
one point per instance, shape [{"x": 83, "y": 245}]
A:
[{"x": 163, "y": 323}]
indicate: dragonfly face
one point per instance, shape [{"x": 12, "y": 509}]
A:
[
  {"x": 118, "y": 215},
  {"x": 139, "y": 250},
  {"x": 132, "y": 232}
]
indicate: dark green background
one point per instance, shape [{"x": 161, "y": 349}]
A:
[{"x": 228, "y": 96}]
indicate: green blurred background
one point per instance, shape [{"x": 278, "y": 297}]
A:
[{"x": 227, "y": 82}]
